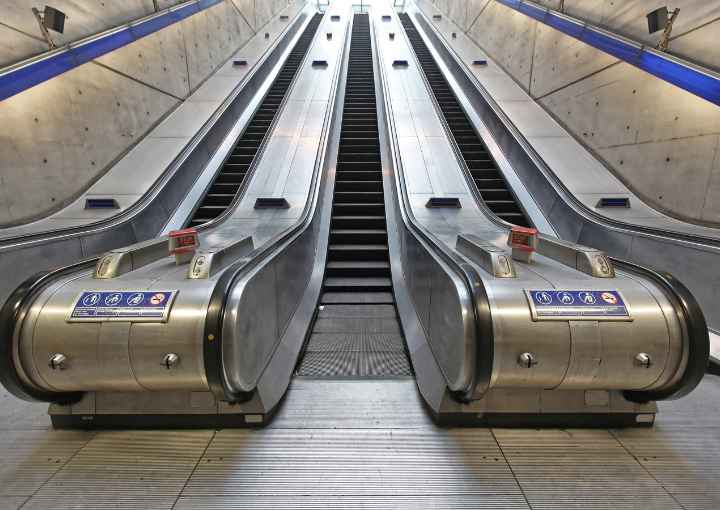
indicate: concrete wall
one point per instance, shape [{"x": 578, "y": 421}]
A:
[
  {"x": 20, "y": 35},
  {"x": 663, "y": 142},
  {"x": 62, "y": 135}
]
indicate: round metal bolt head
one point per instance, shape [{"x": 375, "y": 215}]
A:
[
  {"x": 527, "y": 360},
  {"x": 57, "y": 361},
  {"x": 171, "y": 360},
  {"x": 643, "y": 360}
]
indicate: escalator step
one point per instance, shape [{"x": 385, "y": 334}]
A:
[
  {"x": 357, "y": 333},
  {"x": 358, "y": 268},
  {"x": 489, "y": 181},
  {"x": 353, "y": 363},
  {"x": 357, "y": 298},
  {"x": 358, "y": 236},
  {"x": 357, "y": 284},
  {"x": 229, "y": 180},
  {"x": 360, "y": 221}
]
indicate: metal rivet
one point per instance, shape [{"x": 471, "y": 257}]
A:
[
  {"x": 171, "y": 360},
  {"x": 527, "y": 360},
  {"x": 58, "y": 361},
  {"x": 643, "y": 360}
]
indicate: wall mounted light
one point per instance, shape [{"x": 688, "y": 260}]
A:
[
  {"x": 50, "y": 19},
  {"x": 660, "y": 19}
]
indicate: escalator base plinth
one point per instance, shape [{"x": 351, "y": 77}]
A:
[
  {"x": 546, "y": 420},
  {"x": 158, "y": 421},
  {"x": 159, "y": 410}
]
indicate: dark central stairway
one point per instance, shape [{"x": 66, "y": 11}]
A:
[
  {"x": 356, "y": 332},
  {"x": 229, "y": 179},
  {"x": 490, "y": 182}
]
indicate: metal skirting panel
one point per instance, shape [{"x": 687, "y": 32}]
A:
[{"x": 366, "y": 444}]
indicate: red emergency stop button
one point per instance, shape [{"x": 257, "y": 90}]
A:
[
  {"x": 183, "y": 243},
  {"x": 523, "y": 242}
]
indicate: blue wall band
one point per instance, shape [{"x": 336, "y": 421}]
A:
[
  {"x": 688, "y": 78},
  {"x": 23, "y": 78}
]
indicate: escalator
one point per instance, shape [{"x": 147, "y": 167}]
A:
[
  {"x": 491, "y": 184},
  {"x": 229, "y": 179},
  {"x": 356, "y": 332}
]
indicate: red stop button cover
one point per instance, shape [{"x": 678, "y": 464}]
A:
[
  {"x": 183, "y": 241},
  {"x": 523, "y": 239}
]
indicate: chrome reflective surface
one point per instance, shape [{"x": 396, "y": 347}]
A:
[
  {"x": 568, "y": 355},
  {"x": 441, "y": 302},
  {"x": 131, "y": 357},
  {"x": 25, "y": 255},
  {"x": 662, "y": 245}
]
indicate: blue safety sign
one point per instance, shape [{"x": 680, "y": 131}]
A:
[
  {"x": 555, "y": 304},
  {"x": 126, "y": 305}
]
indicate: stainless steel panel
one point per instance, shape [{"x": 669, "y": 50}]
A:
[
  {"x": 586, "y": 355},
  {"x": 596, "y": 356},
  {"x": 253, "y": 334},
  {"x": 679, "y": 248},
  {"x": 148, "y": 343},
  {"x": 145, "y": 219}
]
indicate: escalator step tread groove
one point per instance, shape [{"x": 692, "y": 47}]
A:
[
  {"x": 248, "y": 145},
  {"x": 471, "y": 146},
  {"x": 357, "y": 321}
]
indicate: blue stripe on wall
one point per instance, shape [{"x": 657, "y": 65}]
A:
[
  {"x": 17, "y": 80},
  {"x": 688, "y": 78}
]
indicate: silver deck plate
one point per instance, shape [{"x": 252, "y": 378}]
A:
[{"x": 365, "y": 444}]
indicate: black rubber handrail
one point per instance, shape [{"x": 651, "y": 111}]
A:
[
  {"x": 213, "y": 331},
  {"x": 695, "y": 329},
  {"x": 151, "y": 195},
  {"x": 689, "y": 312},
  {"x": 11, "y": 312},
  {"x": 262, "y": 147},
  {"x": 482, "y": 321},
  {"x": 547, "y": 172},
  {"x": 450, "y": 133},
  {"x": 10, "y": 315}
]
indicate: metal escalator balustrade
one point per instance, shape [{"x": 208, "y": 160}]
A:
[
  {"x": 491, "y": 184},
  {"x": 357, "y": 332},
  {"x": 228, "y": 181}
]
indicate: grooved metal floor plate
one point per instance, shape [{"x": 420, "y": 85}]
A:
[{"x": 365, "y": 444}]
